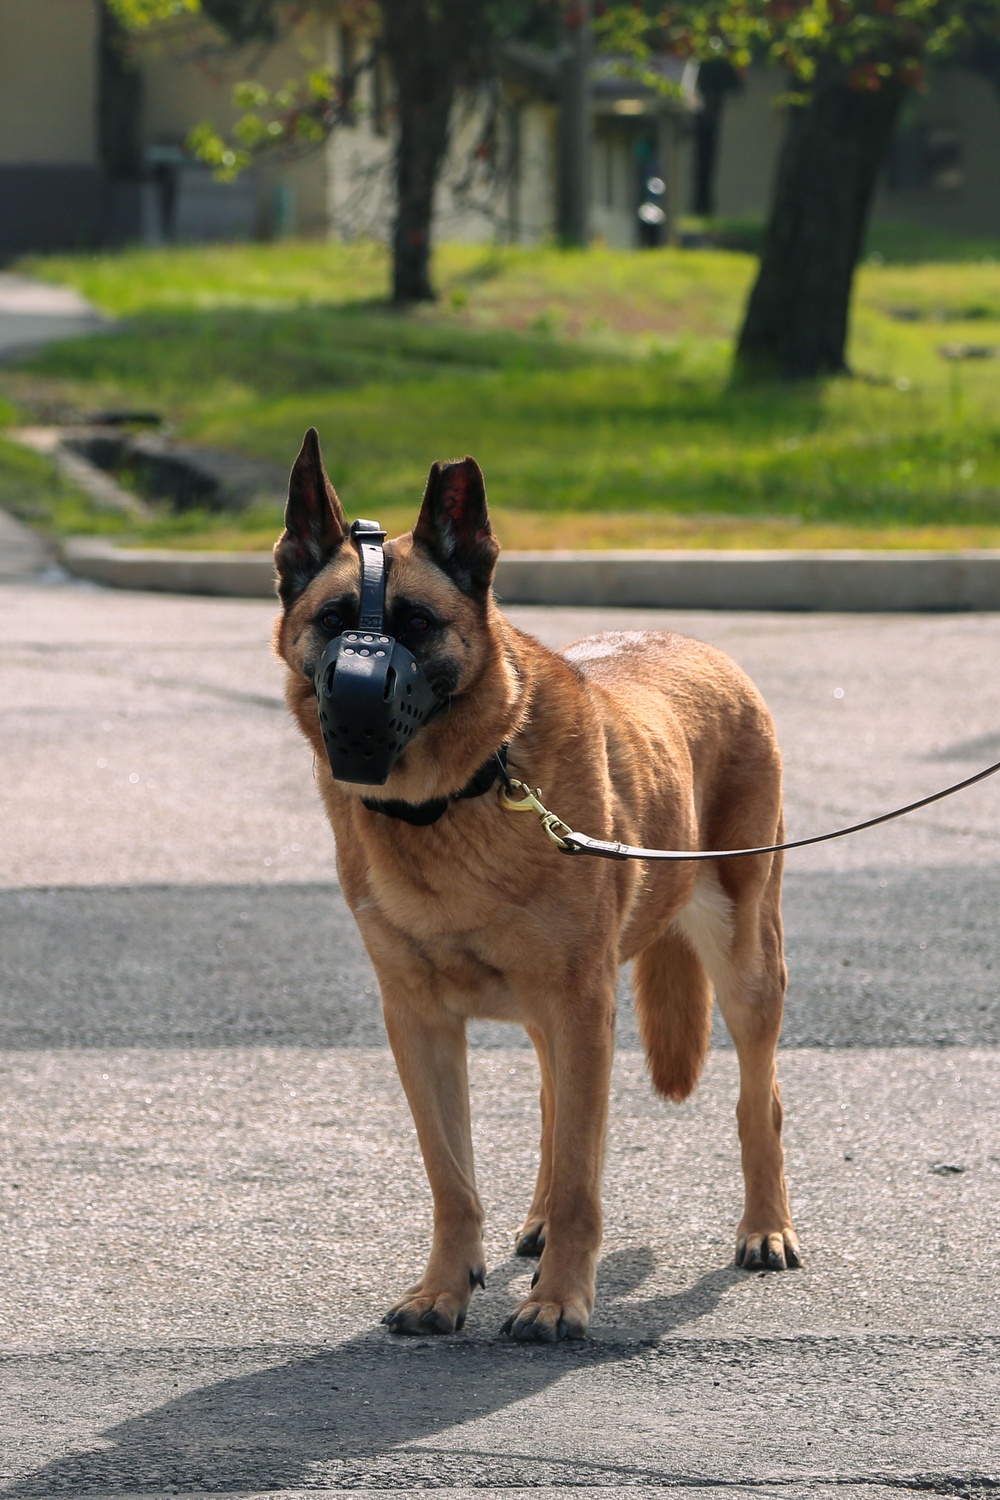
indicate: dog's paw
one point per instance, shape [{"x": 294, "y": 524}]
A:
[
  {"x": 423, "y": 1314},
  {"x": 539, "y": 1321},
  {"x": 777, "y": 1251},
  {"x": 429, "y": 1312},
  {"x": 531, "y": 1238}
]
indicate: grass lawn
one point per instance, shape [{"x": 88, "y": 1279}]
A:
[{"x": 593, "y": 387}]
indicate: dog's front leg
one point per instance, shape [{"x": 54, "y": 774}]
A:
[
  {"x": 431, "y": 1058},
  {"x": 580, "y": 1046}
]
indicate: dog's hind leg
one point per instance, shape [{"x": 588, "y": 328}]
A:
[
  {"x": 531, "y": 1235},
  {"x": 432, "y": 1061},
  {"x": 673, "y": 1004},
  {"x": 750, "y": 978}
]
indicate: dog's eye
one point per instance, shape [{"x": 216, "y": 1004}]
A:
[
  {"x": 417, "y": 623},
  {"x": 331, "y": 620}
]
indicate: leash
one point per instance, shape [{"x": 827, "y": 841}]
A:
[{"x": 516, "y": 796}]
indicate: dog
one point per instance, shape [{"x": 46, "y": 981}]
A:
[{"x": 650, "y": 738}]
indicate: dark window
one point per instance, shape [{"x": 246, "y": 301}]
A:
[{"x": 926, "y": 157}]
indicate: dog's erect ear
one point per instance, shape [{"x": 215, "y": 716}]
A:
[
  {"x": 454, "y": 525},
  {"x": 315, "y": 524}
]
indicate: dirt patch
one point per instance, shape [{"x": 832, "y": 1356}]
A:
[{"x": 608, "y": 313}]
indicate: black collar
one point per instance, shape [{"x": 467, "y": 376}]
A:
[{"x": 421, "y": 814}]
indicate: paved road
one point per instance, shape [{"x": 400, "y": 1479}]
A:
[
  {"x": 210, "y": 1187},
  {"x": 33, "y": 313}
]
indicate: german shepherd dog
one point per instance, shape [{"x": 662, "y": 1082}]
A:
[{"x": 650, "y": 738}]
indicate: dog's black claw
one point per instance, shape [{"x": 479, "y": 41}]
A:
[
  {"x": 572, "y": 1328},
  {"x": 531, "y": 1245},
  {"x": 478, "y": 1278},
  {"x": 507, "y": 1325},
  {"x": 387, "y": 1320},
  {"x": 793, "y": 1258},
  {"x": 438, "y": 1322},
  {"x": 534, "y": 1279}
]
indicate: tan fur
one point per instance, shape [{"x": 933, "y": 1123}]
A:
[
  {"x": 652, "y": 739},
  {"x": 673, "y": 1003}
]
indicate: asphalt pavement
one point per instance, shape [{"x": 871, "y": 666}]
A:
[{"x": 211, "y": 1190}]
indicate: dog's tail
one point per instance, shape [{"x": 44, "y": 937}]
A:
[{"x": 673, "y": 1002}]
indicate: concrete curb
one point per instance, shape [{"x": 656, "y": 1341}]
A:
[
  {"x": 237, "y": 575},
  {"x": 829, "y": 581},
  {"x": 23, "y": 553},
  {"x": 870, "y": 582}
]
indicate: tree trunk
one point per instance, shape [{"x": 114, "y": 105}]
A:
[
  {"x": 833, "y": 150},
  {"x": 716, "y": 79},
  {"x": 426, "y": 43},
  {"x": 575, "y": 130},
  {"x": 705, "y": 155},
  {"x": 119, "y": 101}
]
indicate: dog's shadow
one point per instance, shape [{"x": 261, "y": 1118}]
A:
[{"x": 327, "y": 1417}]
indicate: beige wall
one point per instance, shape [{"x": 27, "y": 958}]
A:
[
  {"x": 613, "y": 184},
  {"x": 967, "y": 102},
  {"x": 180, "y": 94},
  {"x": 536, "y": 204},
  {"x": 359, "y": 181},
  {"x": 481, "y": 203},
  {"x": 470, "y": 204},
  {"x": 751, "y": 133},
  {"x": 48, "y": 82}
]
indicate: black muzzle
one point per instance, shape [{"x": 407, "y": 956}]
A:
[{"x": 372, "y": 693}]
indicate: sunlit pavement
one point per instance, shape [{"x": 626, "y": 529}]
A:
[
  {"x": 34, "y": 313},
  {"x": 211, "y": 1190}
]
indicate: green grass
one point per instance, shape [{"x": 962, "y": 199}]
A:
[
  {"x": 886, "y": 242},
  {"x": 593, "y": 387},
  {"x": 31, "y": 490}
]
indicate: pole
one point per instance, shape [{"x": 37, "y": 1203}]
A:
[{"x": 575, "y": 127}]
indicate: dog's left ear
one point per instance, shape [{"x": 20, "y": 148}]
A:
[
  {"x": 454, "y": 525},
  {"x": 315, "y": 524}
]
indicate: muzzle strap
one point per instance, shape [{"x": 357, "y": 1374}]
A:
[
  {"x": 372, "y": 693},
  {"x": 368, "y": 537}
]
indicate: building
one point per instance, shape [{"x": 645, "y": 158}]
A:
[
  {"x": 943, "y": 173},
  {"x": 92, "y": 153}
]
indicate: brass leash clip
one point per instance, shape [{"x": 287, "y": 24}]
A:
[{"x": 529, "y": 802}]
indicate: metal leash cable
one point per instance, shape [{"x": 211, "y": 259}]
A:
[{"x": 571, "y": 842}]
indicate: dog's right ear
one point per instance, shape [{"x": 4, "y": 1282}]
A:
[{"x": 315, "y": 524}]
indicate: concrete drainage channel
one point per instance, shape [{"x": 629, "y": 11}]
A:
[
  {"x": 831, "y": 581},
  {"x": 122, "y": 459}
]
